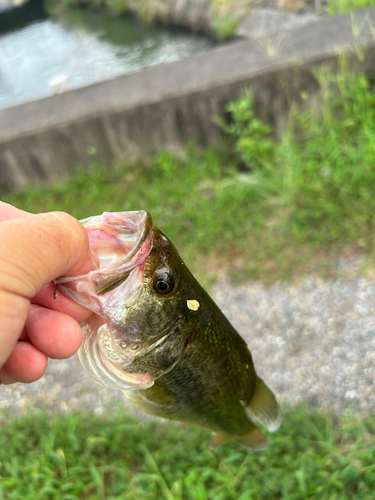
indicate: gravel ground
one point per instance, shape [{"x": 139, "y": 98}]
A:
[{"x": 313, "y": 342}]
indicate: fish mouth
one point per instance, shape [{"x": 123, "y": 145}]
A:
[{"x": 122, "y": 242}]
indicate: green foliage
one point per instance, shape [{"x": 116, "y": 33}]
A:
[
  {"x": 322, "y": 177},
  {"x": 312, "y": 456},
  {"x": 248, "y": 133},
  {"x": 335, "y": 7},
  {"x": 225, "y": 26},
  {"x": 318, "y": 183}
]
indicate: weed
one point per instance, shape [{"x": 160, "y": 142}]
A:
[
  {"x": 312, "y": 456},
  {"x": 335, "y": 7}
]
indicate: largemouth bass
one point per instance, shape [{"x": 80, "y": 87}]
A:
[{"x": 160, "y": 337}]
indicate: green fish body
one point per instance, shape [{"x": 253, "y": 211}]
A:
[{"x": 158, "y": 335}]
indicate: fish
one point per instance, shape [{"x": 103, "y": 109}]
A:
[{"x": 159, "y": 336}]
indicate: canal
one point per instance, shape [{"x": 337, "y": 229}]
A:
[{"x": 41, "y": 54}]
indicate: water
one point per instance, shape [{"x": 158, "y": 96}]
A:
[{"x": 52, "y": 55}]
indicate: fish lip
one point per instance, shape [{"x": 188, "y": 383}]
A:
[
  {"x": 106, "y": 275},
  {"x": 99, "y": 280},
  {"x": 90, "y": 223}
]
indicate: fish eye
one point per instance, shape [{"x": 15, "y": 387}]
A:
[{"x": 164, "y": 283}]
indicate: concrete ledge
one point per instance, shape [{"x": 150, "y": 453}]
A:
[{"x": 136, "y": 115}]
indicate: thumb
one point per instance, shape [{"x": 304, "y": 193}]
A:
[{"x": 34, "y": 250}]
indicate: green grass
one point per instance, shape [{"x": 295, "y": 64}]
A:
[
  {"x": 335, "y": 7},
  {"x": 260, "y": 208},
  {"x": 312, "y": 456}
]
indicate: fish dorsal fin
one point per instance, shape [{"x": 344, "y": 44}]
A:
[
  {"x": 263, "y": 407},
  {"x": 252, "y": 440}
]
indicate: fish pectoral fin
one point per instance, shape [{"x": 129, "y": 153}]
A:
[
  {"x": 263, "y": 407},
  {"x": 252, "y": 440}
]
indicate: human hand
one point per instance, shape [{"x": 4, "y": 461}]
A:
[{"x": 37, "y": 321}]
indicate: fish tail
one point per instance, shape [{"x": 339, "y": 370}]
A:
[
  {"x": 252, "y": 440},
  {"x": 263, "y": 407}
]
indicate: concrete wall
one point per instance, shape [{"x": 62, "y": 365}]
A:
[{"x": 134, "y": 116}]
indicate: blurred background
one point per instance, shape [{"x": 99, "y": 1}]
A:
[{"x": 247, "y": 130}]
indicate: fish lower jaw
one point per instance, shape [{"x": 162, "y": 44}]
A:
[{"x": 109, "y": 372}]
